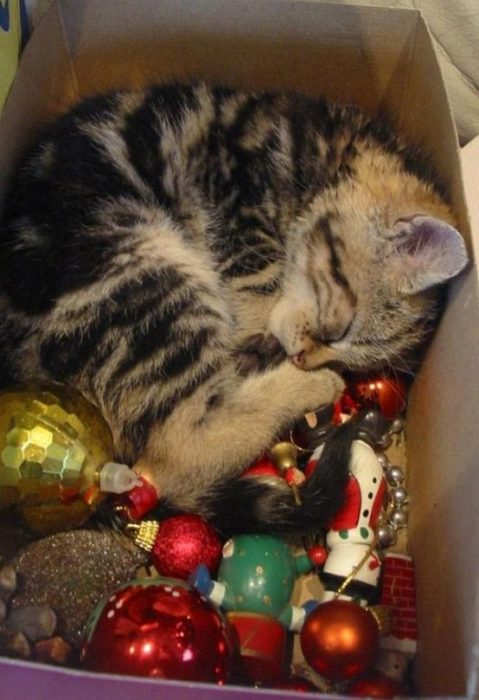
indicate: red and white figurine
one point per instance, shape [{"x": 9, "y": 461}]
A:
[{"x": 351, "y": 537}]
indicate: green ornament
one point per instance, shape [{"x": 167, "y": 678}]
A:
[{"x": 258, "y": 572}]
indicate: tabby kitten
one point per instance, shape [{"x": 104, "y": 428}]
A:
[{"x": 157, "y": 243}]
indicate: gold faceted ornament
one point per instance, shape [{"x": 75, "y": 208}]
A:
[{"x": 53, "y": 444}]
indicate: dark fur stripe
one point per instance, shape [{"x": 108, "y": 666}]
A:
[
  {"x": 135, "y": 433},
  {"x": 336, "y": 270}
]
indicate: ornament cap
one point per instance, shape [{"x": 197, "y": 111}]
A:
[
  {"x": 117, "y": 478},
  {"x": 144, "y": 534}
]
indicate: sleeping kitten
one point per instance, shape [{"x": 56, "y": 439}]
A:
[{"x": 157, "y": 244}]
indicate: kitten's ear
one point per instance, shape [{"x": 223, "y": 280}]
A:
[{"x": 427, "y": 252}]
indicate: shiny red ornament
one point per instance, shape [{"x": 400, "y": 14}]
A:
[
  {"x": 386, "y": 393},
  {"x": 263, "y": 467},
  {"x": 141, "y": 499},
  {"x": 184, "y": 542},
  {"x": 296, "y": 684},
  {"x": 160, "y": 628},
  {"x": 317, "y": 554},
  {"x": 340, "y": 640},
  {"x": 375, "y": 685}
]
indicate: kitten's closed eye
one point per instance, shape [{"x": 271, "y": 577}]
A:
[
  {"x": 329, "y": 336},
  {"x": 257, "y": 353}
]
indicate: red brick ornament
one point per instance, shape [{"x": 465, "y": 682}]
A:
[{"x": 398, "y": 593}]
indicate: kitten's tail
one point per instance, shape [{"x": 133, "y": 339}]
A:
[{"x": 257, "y": 504}]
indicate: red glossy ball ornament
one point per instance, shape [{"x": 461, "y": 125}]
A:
[
  {"x": 375, "y": 685},
  {"x": 340, "y": 640},
  {"x": 296, "y": 684},
  {"x": 183, "y": 542},
  {"x": 386, "y": 393},
  {"x": 159, "y": 628}
]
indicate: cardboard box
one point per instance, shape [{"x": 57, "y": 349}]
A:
[
  {"x": 11, "y": 14},
  {"x": 379, "y": 59}
]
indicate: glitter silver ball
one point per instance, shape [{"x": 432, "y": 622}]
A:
[
  {"x": 386, "y": 535},
  {"x": 399, "y": 495},
  {"x": 394, "y": 475},
  {"x": 398, "y": 518}
]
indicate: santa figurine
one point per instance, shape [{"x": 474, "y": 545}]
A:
[{"x": 352, "y": 567}]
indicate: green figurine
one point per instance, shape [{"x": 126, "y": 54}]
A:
[
  {"x": 257, "y": 575},
  {"x": 255, "y": 581}
]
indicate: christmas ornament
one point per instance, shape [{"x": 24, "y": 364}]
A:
[
  {"x": 263, "y": 467},
  {"x": 139, "y": 500},
  {"x": 71, "y": 572},
  {"x": 352, "y": 566},
  {"x": 398, "y": 595},
  {"x": 160, "y": 628},
  {"x": 339, "y": 640},
  {"x": 386, "y": 393},
  {"x": 254, "y": 585},
  {"x": 395, "y": 516},
  {"x": 295, "y": 683},
  {"x": 179, "y": 544},
  {"x": 55, "y": 452},
  {"x": 375, "y": 685},
  {"x": 28, "y": 632},
  {"x": 285, "y": 456}
]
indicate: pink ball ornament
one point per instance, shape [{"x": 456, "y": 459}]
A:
[{"x": 160, "y": 628}]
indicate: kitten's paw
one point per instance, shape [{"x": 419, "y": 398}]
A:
[
  {"x": 319, "y": 387},
  {"x": 257, "y": 353}
]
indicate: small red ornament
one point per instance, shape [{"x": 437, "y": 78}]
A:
[
  {"x": 295, "y": 683},
  {"x": 340, "y": 640},
  {"x": 141, "y": 499},
  {"x": 375, "y": 685},
  {"x": 263, "y": 467},
  {"x": 184, "y": 542},
  {"x": 160, "y": 628},
  {"x": 386, "y": 393},
  {"x": 317, "y": 554}
]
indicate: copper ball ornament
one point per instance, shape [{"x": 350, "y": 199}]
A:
[
  {"x": 160, "y": 628},
  {"x": 339, "y": 640}
]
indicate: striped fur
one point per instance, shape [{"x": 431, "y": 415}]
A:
[{"x": 154, "y": 240}]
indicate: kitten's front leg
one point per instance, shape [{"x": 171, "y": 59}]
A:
[{"x": 191, "y": 451}]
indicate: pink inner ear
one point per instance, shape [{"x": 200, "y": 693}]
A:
[
  {"x": 429, "y": 251},
  {"x": 423, "y": 232}
]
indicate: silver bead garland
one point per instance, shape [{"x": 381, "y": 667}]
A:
[{"x": 395, "y": 515}]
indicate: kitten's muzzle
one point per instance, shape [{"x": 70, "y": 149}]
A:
[{"x": 315, "y": 357}]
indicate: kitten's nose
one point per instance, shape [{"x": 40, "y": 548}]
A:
[{"x": 299, "y": 359}]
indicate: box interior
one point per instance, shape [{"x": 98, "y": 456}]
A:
[{"x": 381, "y": 60}]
